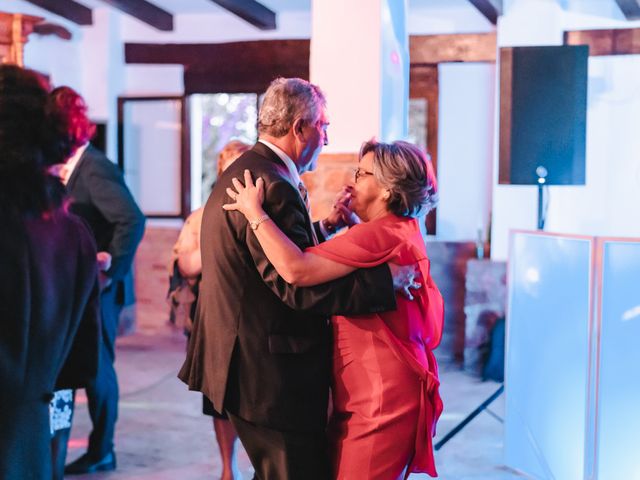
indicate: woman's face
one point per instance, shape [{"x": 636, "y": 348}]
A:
[{"x": 368, "y": 196}]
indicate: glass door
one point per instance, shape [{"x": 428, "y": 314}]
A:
[{"x": 152, "y": 153}]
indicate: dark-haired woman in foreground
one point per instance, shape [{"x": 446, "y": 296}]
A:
[
  {"x": 385, "y": 385},
  {"x": 49, "y": 328}
]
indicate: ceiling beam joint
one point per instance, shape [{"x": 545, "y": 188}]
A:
[
  {"x": 250, "y": 11},
  {"x": 146, "y": 12},
  {"x": 630, "y": 9},
  {"x": 491, "y": 9},
  {"x": 69, "y": 9}
]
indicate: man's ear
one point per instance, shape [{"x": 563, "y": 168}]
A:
[{"x": 298, "y": 128}]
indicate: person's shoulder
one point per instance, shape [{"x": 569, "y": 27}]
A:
[
  {"x": 193, "y": 221},
  {"x": 195, "y": 216},
  {"x": 259, "y": 166},
  {"x": 75, "y": 226},
  {"x": 96, "y": 161}
]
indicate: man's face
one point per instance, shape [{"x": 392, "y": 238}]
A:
[{"x": 310, "y": 142}]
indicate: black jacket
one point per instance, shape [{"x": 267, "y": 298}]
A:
[
  {"x": 100, "y": 196},
  {"x": 49, "y": 331},
  {"x": 261, "y": 347}
]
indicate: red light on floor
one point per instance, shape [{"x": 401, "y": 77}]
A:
[
  {"x": 81, "y": 397},
  {"x": 78, "y": 443}
]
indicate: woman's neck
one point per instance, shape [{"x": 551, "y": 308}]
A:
[{"x": 376, "y": 211}]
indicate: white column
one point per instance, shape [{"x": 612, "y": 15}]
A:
[
  {"x": 102, "y": 60},
  {"x": 360, "y": 59}
]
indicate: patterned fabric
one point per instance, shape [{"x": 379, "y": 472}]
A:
[{"x": 60, "y": 410}]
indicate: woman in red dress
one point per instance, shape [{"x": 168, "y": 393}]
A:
[{"x": 385, "y": 385}]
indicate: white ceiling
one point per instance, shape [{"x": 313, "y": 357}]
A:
[
  {"x": 278, "y": 6},
  {"x": 208, "y": 6}
]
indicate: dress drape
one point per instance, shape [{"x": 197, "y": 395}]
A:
[{"x": 385, "y": 387}]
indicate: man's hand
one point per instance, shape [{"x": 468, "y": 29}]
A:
[
  {"x": 404, "y": 278},
  {"x": 104, "y": 261},
  {"x": 104, "y": 264}
]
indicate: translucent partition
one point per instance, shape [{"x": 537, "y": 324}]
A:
[
  {"x": 547, "y": 358},
  {"x": 618, "y": 426}
]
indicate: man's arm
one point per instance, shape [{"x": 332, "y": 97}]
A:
[
  {"x": 363, "y": 291},
  {"x": 112, "y": 198}
]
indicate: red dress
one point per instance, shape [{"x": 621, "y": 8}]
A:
[{"x": 385, "y": 385}]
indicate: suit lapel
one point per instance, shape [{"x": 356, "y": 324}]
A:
[{"x": 74, "y": 175}]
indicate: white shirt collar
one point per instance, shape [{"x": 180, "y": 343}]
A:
[
  {"x": 71, "y": 164},
  {"x": 293, "y": 170}
]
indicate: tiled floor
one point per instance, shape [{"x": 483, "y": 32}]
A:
[{"x": 161, "y": 434}]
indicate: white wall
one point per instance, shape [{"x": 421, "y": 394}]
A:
[
  {"x": 609, "y": 203},
  {"x": 465, "y": 149},
  {"x": 452, "y": 16},
  {"x": 93, "y": 63}
]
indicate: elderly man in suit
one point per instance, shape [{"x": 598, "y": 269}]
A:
[
  {"x": 260, "y": 349},
  {"x": 99, "y": 195}
]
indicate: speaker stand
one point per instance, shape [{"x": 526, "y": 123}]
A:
[
  {"x": 471, "y": 416},
  {"x": 541, "y": 215}
]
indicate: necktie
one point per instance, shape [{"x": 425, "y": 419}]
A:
[{"x": 304, "y": 193}]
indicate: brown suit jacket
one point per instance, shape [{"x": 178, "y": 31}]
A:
[{"x": 260, "y": 346}]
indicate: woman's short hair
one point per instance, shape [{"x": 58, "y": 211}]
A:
[
  {"x": 70, "y": 112},
  {"x": 230, "y": 152},
  {"x": 406, "y": 171},
  {"x": 29, "y": 143},
  {"x": 286, "y": 100}
]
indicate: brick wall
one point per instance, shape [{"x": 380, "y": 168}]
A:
[{"x": 333, "y": 171}]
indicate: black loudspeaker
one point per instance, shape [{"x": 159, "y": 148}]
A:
[{"x": 543, "y": 115}]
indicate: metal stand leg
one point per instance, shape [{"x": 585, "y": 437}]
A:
[{"x": 470, "y": 417}]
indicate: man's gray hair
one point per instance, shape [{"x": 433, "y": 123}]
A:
[{"x": 286, "y": 100}]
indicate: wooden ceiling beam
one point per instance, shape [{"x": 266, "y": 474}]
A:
[
  {"x": 47, "y": 28},
  {"x": 251, "y": 11},
  {"x": 619, "y": 41},
  {"x": 69, "y": 9},
  {"x": 630, "y": 9},
  {"x": 423, "y": 50},
  {"x": 145, "y": 12},
  {"x": 463, "y": 47},
  {"x": 218, "y": 57},
  {"x": 491, "y": 9}
]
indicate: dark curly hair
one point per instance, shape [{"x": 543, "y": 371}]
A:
[
  {"x": 29, "y": 144},
  {"x": 406, "y": 171}
]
